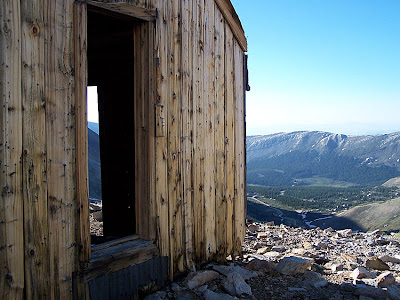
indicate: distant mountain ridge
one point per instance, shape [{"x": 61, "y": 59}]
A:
[
  {"x": 94, "y": 165},
  {"x": 94, "y": 127},
  {"x": 309, "y": 157}
]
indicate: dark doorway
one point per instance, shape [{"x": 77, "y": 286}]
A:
[{"x": 111, "y": 69}]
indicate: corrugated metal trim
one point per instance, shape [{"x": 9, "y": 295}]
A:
[{"x": 124, "y": 283}]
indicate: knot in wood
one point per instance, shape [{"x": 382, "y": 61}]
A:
[
  {"x": 35, "y": 30},
  {"x": 9, "y": 278}
]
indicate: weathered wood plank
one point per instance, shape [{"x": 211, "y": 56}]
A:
[
  {"x": 82, "y": 184},
  {"x": 220, "y": 135},
  {"x": 151, "y": 134},
  {"x": 131, "y": 9},
  {"x": 119, "y": 257},
  {"x": 36, "y": 234},
  {"x": 233, "y": 20},
  {"x": 239, "y": 210},
  {"x": 11, "y": 204},
  {"x": 229, "y": 138},
  {"x": 114, "y": 242},
  {"x": 60, "y": 133},
  {"x": 140, "y": 130},
  {"x": 81, "y": 143},
  {"x": 174, "y": 132},
  {"x": 198, "y": 129},
  {"x": 186, "y": 130},
  {"x": 161, "y": 153},
  {"x": 209, "y": 117}
]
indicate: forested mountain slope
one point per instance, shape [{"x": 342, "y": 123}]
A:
[{"x": 322, "y": 158}]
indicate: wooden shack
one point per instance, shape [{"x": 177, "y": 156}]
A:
[{"x": 173, "y": 79}]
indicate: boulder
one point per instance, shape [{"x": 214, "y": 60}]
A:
[
  {"x": 349, "y": 258},
  {"x": 307, "y": 245},
  {"x": 210, "y": 295},
  {"x": 299, "y": 251},
  {"x": 335, "y": 267},
  {"x": 362, "y": 272},
  {"x": 315, "y": 279},
  {"x": 262, "y": 235},
  {"x": 385, "y": 279},
  {"x": 261, "y": 266},
  {"x": 160, "y": 295},
  {"x": 387, "y": 258},
  {"x": 344, "y": 232},
  {"x": 393, "y": 292},
  {"x": 253, "y": 228},
  {"x": 272, "y": 254},
  {"x": 263, "y": 250},
  {"x": 369, "y": 291},
  {"x": 278, "y": 248},
  {"x": 322, "y": 245},
  {"x": 382, "y": 241},
  {"x": 376, "y": 264},
  {"x": 176, "y": 287},
  {"x": 196, "y": 279},
  {"x": 185, "y": 295},
  {"x": 293, "y": 265},
  {"x": 226, "y": 270},
  {"x": 235, "y": 285}
]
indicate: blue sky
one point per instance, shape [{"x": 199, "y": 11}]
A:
[{"x": 330, "y": 65}]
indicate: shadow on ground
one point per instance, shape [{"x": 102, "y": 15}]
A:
[{"x": 264, "y": 213}]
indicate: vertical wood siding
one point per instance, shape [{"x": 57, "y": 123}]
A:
[
  {"x": 190, "y": 199},
  {"x": 200, "y": 164},
  {"x": 11, "y": 201}
]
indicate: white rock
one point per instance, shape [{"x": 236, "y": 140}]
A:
[
  {"x": 344, "y": 232},
  {"x": 299, "y": 251},
  {"x": 272, "y": 254},
  {"x": 336, "y": 267},
  {"x": 362, "y": 272},
  {"x": 263, "y": 250}
]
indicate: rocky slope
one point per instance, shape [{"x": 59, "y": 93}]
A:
[
  {"x": 281, "y": 262},
  {"x": 381, "y": 215},
  {"x": 394, "y": 182}
]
